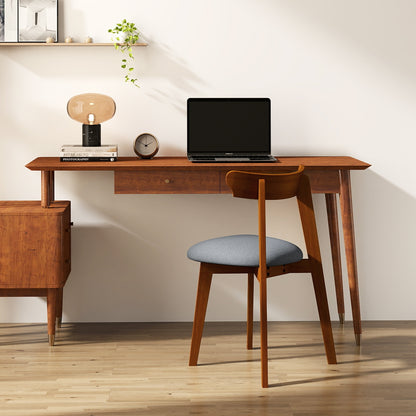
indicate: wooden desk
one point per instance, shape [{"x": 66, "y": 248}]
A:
[{"x": 329, "y": 175}]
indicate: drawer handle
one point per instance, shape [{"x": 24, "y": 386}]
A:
[{"x": 167, "y": 180}]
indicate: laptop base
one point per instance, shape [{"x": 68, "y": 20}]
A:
[{"x": 236, "y": 159}]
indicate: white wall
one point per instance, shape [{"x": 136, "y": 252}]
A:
[{"x": 341, "y": 75}]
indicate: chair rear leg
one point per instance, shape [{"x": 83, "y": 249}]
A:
[
  {"x": 324, "y": 317},
  {"x": 250, "y": 291},
  {"x": 204, "y": 285}
]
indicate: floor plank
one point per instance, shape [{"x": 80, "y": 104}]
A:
[{"x": 141, "y": 369}]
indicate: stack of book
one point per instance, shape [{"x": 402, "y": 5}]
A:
[{"x": 75, "y": 153}]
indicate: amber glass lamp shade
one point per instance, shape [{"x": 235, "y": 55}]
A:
[{"x": 91, "y": 110}]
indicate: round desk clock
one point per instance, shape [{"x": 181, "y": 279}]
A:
[{"x": 146, "y": 146}]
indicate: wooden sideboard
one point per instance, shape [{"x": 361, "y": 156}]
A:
[
  {"x": 329, "y": 175},
  {"x": 35, "y": 255}
]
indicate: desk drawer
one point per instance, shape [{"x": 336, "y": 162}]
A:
[
  {"x": 322, "y": 181},
  {"x": 164, "y": 181}
]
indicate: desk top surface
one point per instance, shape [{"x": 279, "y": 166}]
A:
[{"x": 182, "y": 163}]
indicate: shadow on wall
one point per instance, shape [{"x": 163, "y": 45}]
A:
[
  {"x": 113, "y": 278},
  {"x": 385, "y": 228},
  {"x": 156, "y": 61},
  {"x": 162, "y": 63}
]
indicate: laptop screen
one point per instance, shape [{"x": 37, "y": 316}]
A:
[{"x": 228, "y": 125}]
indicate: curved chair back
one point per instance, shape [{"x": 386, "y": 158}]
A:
[
  {"x": 263, "y": 186},
  {"x": 277, "y": 185}
]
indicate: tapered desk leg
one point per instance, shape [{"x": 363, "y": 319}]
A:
[
  {"x": 349, "y": 241},
  {"x": 332, "y": 212}
]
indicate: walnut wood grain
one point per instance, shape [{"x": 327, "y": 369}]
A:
[
  {"x": 31, "y": 244},
  {"x": 135, "y": 164},
  {"x": 332, "y": 214},
  {"x": 46, "y": 187},
  {"x": 263, "y": 186},
  {"x": 51, "y": 305},
  {"x": 170, "y": 175},
  {"x": 161, "y": 181},
  {"x": 310, "y": 233},
  {"x": 204, "y": 285},
  {"x": 350, "y": 250},
  {"x": 35, "y": 252},
  {"x": 250, "y": 303}
]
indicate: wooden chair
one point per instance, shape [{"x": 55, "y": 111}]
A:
[{"x": 263, "y": 257}]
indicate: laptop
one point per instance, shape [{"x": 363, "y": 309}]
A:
[{"x": 229, "y": 130}]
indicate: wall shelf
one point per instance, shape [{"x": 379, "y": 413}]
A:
[{"x": 23, "y": 44}]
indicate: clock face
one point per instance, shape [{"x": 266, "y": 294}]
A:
[{"x": 146, "y": 145}]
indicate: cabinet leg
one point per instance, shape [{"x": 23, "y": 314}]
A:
[
  {"x": 51, "y": 301},
  {"x": 59, "y": 305}
]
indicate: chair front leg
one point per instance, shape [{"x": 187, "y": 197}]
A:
[
  {"x": 263, "y": 331},
  {"x": 204, "y": 285},
  {"x": 250, "y": 291},
  {"x": 324, "y": 316}
]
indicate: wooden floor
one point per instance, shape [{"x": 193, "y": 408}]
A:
[{"x": 141, "y": 369}]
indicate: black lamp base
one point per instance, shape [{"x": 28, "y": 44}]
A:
[{"x": 91, "y": 134}]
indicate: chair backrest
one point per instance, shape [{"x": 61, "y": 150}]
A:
[
  {"x": 277, "y": 185},
  {"x": 263, "y": 186}
]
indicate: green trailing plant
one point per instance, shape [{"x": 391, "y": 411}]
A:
[{"x": 126, "y": 34}]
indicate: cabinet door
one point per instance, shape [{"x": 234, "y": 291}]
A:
[{"x": 30, "y": 255}]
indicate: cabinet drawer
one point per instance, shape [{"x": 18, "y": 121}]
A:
[{"x": 164, "y": 181}]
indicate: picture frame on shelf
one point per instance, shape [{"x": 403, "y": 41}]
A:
[
  {"x": 1, "y": 20},
  {"x": 37, "y": 20},
  {"x": 8, "y": 21}
]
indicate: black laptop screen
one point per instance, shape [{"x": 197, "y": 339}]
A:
[{"x": 228, "y": 125}]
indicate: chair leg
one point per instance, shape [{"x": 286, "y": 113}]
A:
[
  {"x": 324, "y": 317},
  {"x": 204, "y": 285},
  {"x": 250, "y": 291},
  {"x": 263, "y": 332}
]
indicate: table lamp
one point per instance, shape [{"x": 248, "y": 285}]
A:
[{"x": 91, "y": 110}]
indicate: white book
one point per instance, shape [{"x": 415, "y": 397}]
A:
[
  {"x": 87, "y": 154},
  {"x": 92, "y": 149}
]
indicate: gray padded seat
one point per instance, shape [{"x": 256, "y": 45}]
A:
[{"x": 243, "y": 250}]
